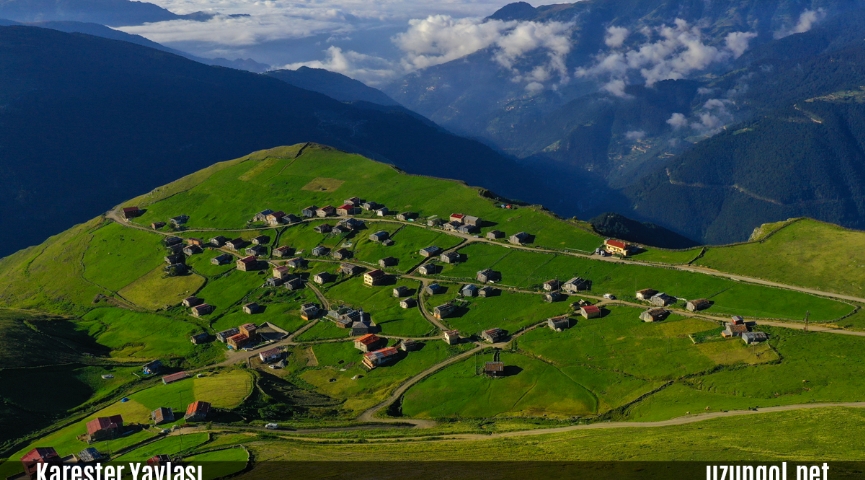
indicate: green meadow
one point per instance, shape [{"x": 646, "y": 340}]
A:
[
  {"x": 509, "y": 311},
  {"x": 383, "y": 307},
  {"x": 804, "y": 252},
  {"x": 529, "y": 270}
]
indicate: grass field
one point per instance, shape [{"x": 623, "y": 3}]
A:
[
  {"x": 155, "y": 290},
  {"x": 668, "y": 256},
  {"x": 408, "y": 241},
  {"x": 807, "y": 253},
  {"x": 339, "y": 363},
  {"x": 461, "y": 391},
  {"x": 139, "y": 335},
  {"x": 224, "y": 390},
  {"x": 117, "y": 255},
  {"x": 383, "y": 307},
  {"x": 508, "y": 311},
  {"x": 220, "y": 463},
  {"x": 232, "y": 192},
  {"x": 231, "y": 289},
  {"x": 172, "y": 445},
  {"x": 830, "y": 434},
  {"x": 528, "y": 270}
]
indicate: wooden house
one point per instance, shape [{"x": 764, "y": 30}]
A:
[
  {"x": 406, "y": 216},
  {"x": 388, "y": 262},
  {"x": 297, "y": 262},
  {"x": 282, "y": 273},
  {"x": 174, "y": 258},
  {"x": 325, "y": 211},
  {"x": 323, "y": 228},
  {"x": 275, "y": 218},
  {"x": 645, "y": 294},
  {"x": 222, "y": 259},
  {"x": 408, "y": 303},
  {"x": 129, "y": 213},
  {"x": 428, "y": 269},
  {"x": 443, "y": 311},
  {"x": 369, "y": 342},
  {"x": 433, "y": 221},
  {"x": 218, "y": 241},
  {"x": 224, "y": 335},
  {"x": 199, "y": 338},
  {"x": 380, "y": 357},
  {"x": 754, "y": 337},
  {"x": 152, "y": 367},
  {"x": 105, "y": 428},
  {"x": 617, "y": 247},
  {"x": 251, "y": 308},
  {"x": 309, "y": 311},
  {"x": 192, "y": 301},
  {"x": 201, "y": 309},
  {"x": 590, "y": 311},
  {"x": 519, "y": 238},
  {"x": 256, "y": 250},
  {"x": 294, "y": 284},
  {"x": 494, "y": 335},
  {"x": 495, "y": 235},
  {"x": 342, "y": 254},
  {"x": 432, "y": 289},
  {"x": 346, "y": 209},
  {"x": 661, "y": 299},
  {"x": 382, "y": 212},
  {"x": 552, "y": 285},
  {"x": 400, "y": 291},
  {"x": 552, "y": 297},
  {"x": 469, "y": 290},
  {"x": 320, "y": 251},
  {"x": 485, "y": 292},
  {"x": 197, "y": 411},
  {"x": 494, "y": 369},
  {"x": 178, "y": 221},
  {"x": 192, "y": 250},
  {"x": 654, "y": 315},
  {"x": 576, "y": 284},
  {"x": 157, "y": 225},
  {"x": 451, "y": 226},
  {"x": 310, "y": 211},
  {"x": 271, "y": 355},
  {"x": 261, "y": 240},
  {"x": 409, "y": 345},
  {"x": 169, "y": 241},
  {"x": 488, "y": 275},
  {"x": 451, "y": 337},
  {"x": 373, "y": 277},
  {"x": 283, "y": 251},
  {"x": 457, "y": 217},
  {"x": 698, "y": 304},
  {"x": 322, "y": 278},
  {"x": 262, "y": 215},
  {"x": 734, "y": 330},
  {"x": 236, "y": 244},
  {"x": 430, "y": 251},
  {"x": 472, "y": 221},
  {"x": 371, "y": 206},
  {"x": 559, "y": 323},
  {"x": 349, "y": 269},
  {"x": 379, "y": 236},
  {"x": 162, "y": 415},
  {"x": 449, "y": 257},
  {"x": 174, "y": 377},
  {"x": 248, "y": 263}
]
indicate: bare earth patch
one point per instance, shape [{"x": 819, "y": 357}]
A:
[{"x": 322, "y": 184}]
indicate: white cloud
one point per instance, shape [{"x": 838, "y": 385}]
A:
[
  {"x": 807, "y": 20},
  {"x": 439, "y": 39},
  {"x": 737, "y": 42},
  {"x": 669, "y": 53},
  {"x": 711, "y": 119},
  {"x": 366, "y": 68},
  {"x": 616, "y": 36},
  {"x": 635, "y": 135},
  {"x": 677, "y": 121}
]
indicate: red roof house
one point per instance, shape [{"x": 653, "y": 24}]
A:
[
  {"x": 104, "y": 428},
  {"x": 31, "y": 459},
  {"x": 197, "y": 411}
]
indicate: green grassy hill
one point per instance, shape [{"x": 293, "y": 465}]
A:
[
  {"x": 88, "y": 307},
  {"x": 802, "y": 252}
]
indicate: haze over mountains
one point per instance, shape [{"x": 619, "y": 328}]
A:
[
  {"x": 631, "y": 86},
  {"x": 86, "y": 122}
]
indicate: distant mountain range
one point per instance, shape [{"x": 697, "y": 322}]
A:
[
  {"x": 107, "y": 12},
  {"x": 85, "y": 122},
  {"x": 620, "y": 152},
  {"x": 334, "y": 85}
]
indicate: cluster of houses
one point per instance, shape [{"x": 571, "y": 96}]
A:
[
  {"x": 376, "y": 352},
  {"x": 737, "y": 327},
  {"x": 240, "y": 337},
  {"x": 356, "y": 321},
  {"x": 48, "y": 455}
]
